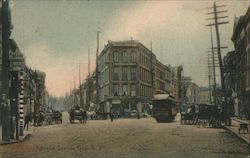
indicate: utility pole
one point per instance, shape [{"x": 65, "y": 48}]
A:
[
  {"x": 97, "y": 71},
  {"x": 5, "y": 102},
  {"x": 74, "y": 94},
  {"x": 151, "y": 47},
  {"x": 216, "y": 18},
  {"x": 89, "y": 75},
  {"x": 213, "y": 66},
  {"x": 209, "y": 82},
  {"x": 80, "y": 87}
]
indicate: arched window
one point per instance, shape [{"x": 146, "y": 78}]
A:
[
  {"x": 133, "y": 56},
  {"x": 125, "y": 57},
  {"x": 116, "y": 57}
]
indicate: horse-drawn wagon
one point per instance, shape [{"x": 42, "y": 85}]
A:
[{"x": 77, "y": 114}]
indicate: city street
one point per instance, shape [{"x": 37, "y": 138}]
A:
[
  {"x": 144, "y": 138},
  {"x": 144, "y": 62}
]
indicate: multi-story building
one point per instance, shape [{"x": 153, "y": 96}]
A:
[
  {"x": 128, "y": 76},
  {"x": 241, "y": 40},
  {"x": 230, "y": 79},
  {"x": 247, "y": 20}
]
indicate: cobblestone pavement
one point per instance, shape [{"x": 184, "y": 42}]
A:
[{"x": 127, "y": 138}]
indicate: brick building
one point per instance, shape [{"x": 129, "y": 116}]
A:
[
  {"x": 129, "y": 74},
  {"x": 238, "y": 61}
]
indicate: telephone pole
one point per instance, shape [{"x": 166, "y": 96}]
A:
[
  {"x": 209, "y": 82},
  {"x": 217, "y": 17},
  {"x": 80, "y": 86},
  {"x": 213, "y": 66},
  {"x": 74, "y": 92},
  {"x": 89, "y": 76},
  {"x": 97, "y": 71}
]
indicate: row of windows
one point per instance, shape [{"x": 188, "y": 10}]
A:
[
  {"x": 102, "y": 61},
  {"x": 104, "y": 76},
  {"x": 124, "y": 90},
  {"x": 124, "y": 73},
  {"x": 145, "y": 61},
  {"x": 145, "y": 75},
  {"x": 160, "y": 85},
  {"x": 160, "y": 74},
  {"x": 145, "y": 91},
  {"x": 124, "y": 57}
]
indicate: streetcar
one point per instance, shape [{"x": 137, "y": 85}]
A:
[{"x": 164, "y": 107}]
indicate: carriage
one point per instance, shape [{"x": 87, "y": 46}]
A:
[
  {"x": 208, "y": 115},
  {"x": 77, "y": 114},
  {"x": 202, "y": 115},
  {"x": 53, "y": 117},
  {"x": 48, "y": 118},
  {"x": 188, "y": 114}
]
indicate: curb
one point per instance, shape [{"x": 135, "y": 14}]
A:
[
  {"x": 235, "y": 134},
  {"x": 15, "y": 141}
]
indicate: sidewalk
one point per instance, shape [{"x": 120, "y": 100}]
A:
[
  {"x": 234, "y": 128},
  {"x": 26, "y": 134}
]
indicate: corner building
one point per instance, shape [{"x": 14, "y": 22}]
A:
[{"x": 129, "y": 75}]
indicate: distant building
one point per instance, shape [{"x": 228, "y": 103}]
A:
[{"x": 190, "y": 91}]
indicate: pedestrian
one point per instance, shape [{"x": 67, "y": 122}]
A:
[
  {"x": 111, "y": 116},
  {"x": 27, "y": 120},
  {"x": 84, "y": 116}
]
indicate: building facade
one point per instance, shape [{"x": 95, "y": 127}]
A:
[
  {"x": 241, "y": 78},
  {"x": 190, "y": 91},
  {"x": 129, "y": 75}
]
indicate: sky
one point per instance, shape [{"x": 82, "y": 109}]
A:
[{"x": 55, "y": 35}]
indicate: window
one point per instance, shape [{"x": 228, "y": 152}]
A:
[
  {"x": 116, "y": 73},
  {"x": 120, "y": 90},
  {"x": 115, "y": 89},
  {"x": 133, "y": 73},
  {"x": 133, "y": 90},
  {"x": 125, "y": 57},
  {"x": 124, "y": 89},
  {"x": 133, "y": 56},
  {"x": 124, "y": 73},
  {"x": 116, "y": 57},
  {"x": 120, "y": 57}
]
